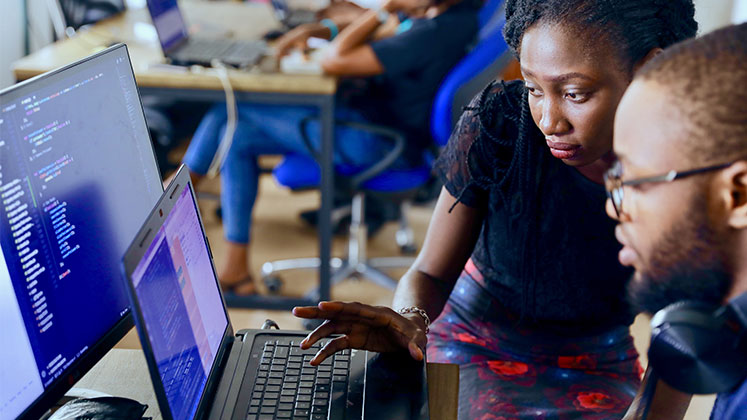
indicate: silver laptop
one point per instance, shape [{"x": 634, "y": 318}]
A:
[
  {"x": 183, "y": 49},
  {"x": 200, "y": 368}
]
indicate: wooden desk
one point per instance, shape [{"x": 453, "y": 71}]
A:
[
  {"x": 262, "y": 84},
  {"x": 134, "y": 28},
  {"x": 124, "y": 373}
]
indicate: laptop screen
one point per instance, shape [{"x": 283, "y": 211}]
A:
[
  {"x": 168, "y": 21},
  {"x": 181, "y": 306}
]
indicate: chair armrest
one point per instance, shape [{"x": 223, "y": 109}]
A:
[{"x": 377, "y": 168}]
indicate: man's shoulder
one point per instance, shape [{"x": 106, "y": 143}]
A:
[{"x": 731, "y": 405}]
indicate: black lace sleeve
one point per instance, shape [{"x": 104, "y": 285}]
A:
[{"x": 470, "y": 161}]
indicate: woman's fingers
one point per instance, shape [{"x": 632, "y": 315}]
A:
[
  {"x": 338, "y": 344},
  {"x": 325, "y": 330}
]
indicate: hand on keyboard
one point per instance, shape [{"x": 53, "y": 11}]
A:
[{"x": 375, "y": 328}]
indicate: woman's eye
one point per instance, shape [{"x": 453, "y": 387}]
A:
[
  {"x": 533, "y": 91},
  {"x": 576, "y": 96}
]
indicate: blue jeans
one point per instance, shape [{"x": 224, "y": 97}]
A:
[{"x": 269, "y": 130}]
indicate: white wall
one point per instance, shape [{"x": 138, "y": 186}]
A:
[
  {"x": 714, "y": 14},
  {"x": 11, "y": 34},
  {"x": 12, "y": 29}
]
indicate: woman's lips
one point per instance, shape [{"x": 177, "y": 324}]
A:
[{"x": 563, "y": 150}]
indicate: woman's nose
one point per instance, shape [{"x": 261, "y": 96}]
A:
[{"x": 553, "y": 122}]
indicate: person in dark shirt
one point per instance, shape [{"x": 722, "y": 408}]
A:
[
  {"x": 686, "y": 236},
  {"x": 404, "y": 50},
  {"x": 519, "y": 267}
]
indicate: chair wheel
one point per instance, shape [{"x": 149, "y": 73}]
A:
[
  {"x": 408, "y": 249},
  {"x": 273, "y": 284},
  {"x": 311, "y": 324}
]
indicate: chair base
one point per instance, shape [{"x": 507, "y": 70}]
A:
[{"x": 356, "y": 265}]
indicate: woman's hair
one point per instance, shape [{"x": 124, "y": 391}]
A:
[{"x": 636, "y": 26}]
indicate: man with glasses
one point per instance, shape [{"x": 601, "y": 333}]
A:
[{"x": 679, "y": 188}]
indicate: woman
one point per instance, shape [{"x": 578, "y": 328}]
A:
[
  {"x": 537, "y": 319},
  {"x": 404, "y": 63}
]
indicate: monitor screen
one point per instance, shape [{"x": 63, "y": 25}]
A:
[
  {"x": 178, "y": 296},
  {"x": 168, "y": 21},
  {"x": 77, "y": 179}
]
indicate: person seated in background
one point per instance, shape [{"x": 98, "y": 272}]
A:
[
  {"x": 686, "y": 235},
  {"x": 537, "y": 319},
  {"x": 404, "y": 69}
]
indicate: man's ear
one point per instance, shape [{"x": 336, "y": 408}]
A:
[
  {"x": 735, "y": 194},
  {"x": 651, "y": 54}
]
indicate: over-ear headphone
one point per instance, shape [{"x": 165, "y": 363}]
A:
[{"x": 699, "y": 348}]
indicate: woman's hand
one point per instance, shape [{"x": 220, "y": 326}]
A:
[
  {"x": 375, "y": 328},
  {"x": 296, "y": 39}
]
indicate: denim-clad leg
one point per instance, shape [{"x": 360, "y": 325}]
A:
[{"x": 263, "y": 130}]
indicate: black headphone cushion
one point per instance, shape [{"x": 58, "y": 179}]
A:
[{"x": 692, "y": 351}]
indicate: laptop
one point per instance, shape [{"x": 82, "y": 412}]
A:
[
  {"x": 200, "y": 368},
  {"x": 183, "y": 49},
  {"x": 292, "y": 17}
]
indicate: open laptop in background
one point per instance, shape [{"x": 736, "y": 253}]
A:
[
  {"x": 200, "y": 368},
  {"x": 183, "y": 49},
  {"x": 292, "y": 17}
]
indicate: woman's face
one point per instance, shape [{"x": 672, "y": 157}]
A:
[{"x": 574, "y": 88}]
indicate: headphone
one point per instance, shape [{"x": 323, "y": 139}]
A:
[{"x": 699, "y": 348}]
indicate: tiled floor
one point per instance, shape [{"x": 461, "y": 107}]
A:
[{"x": 279, "y": 233}]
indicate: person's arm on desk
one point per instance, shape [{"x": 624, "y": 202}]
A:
[{"x": 448, "y": 244}]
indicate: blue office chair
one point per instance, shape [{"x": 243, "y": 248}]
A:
[{"x": 465, "y": 80}]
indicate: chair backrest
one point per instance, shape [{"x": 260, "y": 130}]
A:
[
  {"x": 77, "y": 13},
  {"x": 481, "y": 65}
]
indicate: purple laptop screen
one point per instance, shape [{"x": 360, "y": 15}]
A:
[{"x": 181, "y": 306}]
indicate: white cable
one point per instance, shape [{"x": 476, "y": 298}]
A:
[{"x": 225, "y": 143}]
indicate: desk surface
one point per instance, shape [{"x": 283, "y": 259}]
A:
[
  {"x": 134, "y": 28},
  {"x": 124, "y": 373}
]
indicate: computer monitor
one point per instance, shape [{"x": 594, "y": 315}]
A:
[{"x": 78, "y": 177}]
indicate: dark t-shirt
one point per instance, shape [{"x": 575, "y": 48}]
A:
[
  {"x": 731, "y": 405},
  {"x": 415, "y": 61},
  {"x": 575, "y": 284}
]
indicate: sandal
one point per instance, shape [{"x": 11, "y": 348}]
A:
[{"x": 243, "y": 287}]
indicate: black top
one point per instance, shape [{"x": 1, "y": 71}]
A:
[
  {"x": 547, "y": 249},
  {"x": 415, "y": 61}
]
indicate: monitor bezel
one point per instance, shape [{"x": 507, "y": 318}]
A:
[{"x": 52, "y": 394}]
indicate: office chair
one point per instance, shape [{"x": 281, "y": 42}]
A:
[
  {"x": 296, "y": 171},
  {"x": 70, "y": 15}
]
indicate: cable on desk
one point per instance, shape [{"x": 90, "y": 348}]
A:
[{"x": 225, "y": 144}]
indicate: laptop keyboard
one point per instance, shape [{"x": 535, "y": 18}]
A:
[
  {"x": 287, "y": 387},
  {"x": 203, "y": 49}
]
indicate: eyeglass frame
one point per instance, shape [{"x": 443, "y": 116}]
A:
[{"x": 614, "y": 191}]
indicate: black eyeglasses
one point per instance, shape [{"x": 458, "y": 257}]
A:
[{"x": 614, "y": 184}]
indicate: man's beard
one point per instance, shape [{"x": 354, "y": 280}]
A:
[{"x": 685, "y": 265}]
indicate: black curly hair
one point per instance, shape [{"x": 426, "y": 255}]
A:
[{"x": 637, "y": 26}]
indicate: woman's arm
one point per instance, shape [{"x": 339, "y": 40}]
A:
[
  {"x": 666, "y": 403},
  {"x": 449, "y": 242}
]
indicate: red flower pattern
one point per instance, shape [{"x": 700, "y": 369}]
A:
[
  {"x": 584, "y": 362},
  {"x": 508, "y": 368}
]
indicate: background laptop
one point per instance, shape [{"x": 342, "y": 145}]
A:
[
  {"x": 200, "y": 368},
  {"x": 292, "y": 17},
  {"x": 186, "y": 50}
]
